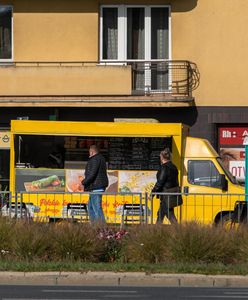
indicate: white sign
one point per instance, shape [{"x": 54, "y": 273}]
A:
[
  {"x": 237, "y": 168},
  {"x": 4, "y": 140}
]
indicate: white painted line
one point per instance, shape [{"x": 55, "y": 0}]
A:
[
  {"x": 236, "y": 293},
  {"x": 219, "y": 296},
  {"x": 88, "y": 291},
  {"x": 125, "y": 296},
  {"x": 47, "y": 299}
]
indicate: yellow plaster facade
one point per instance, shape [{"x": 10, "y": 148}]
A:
[
  {"x": 65, "y": 80},
  {"x": 211, "y": 34}
]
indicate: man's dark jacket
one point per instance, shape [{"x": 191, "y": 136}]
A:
[
  {"x": 167, "y": 182},
  {"x": 95, "y": 173}
]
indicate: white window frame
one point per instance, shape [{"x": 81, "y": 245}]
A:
[
  {"x": 3, "y": 60},
  {"x": 122, "y": 40},
  {"x": 122, "y": 29}
]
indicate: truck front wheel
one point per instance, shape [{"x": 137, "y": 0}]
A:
[{"x": 226, "y": 221}]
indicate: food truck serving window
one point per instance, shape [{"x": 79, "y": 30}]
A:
[{"x": 71, "y": 152}]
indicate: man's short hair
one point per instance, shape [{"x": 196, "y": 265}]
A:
[{"x": 94, "y": 148}]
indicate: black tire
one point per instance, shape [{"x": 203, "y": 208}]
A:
[{"x": 226, "y": 221}]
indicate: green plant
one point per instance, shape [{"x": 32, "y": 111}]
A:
[
  {"x": 112, "y": 243},
  {"x": 147, "y": 244},
  {"x": 75, "y": 242},
  {"x": 30, "y": 241},
  {"x": 6, "y": 230},
  {"x": 192, "y": 242}
]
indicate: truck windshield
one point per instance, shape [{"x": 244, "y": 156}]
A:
[{"x": 227, "y": 172}]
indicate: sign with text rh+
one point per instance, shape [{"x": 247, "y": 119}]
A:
[{"x": 232, "y": 135}]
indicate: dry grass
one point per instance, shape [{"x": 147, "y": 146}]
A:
[
  {"x": 75, "y": 242},
  {"x": 193, "y": 243},
  {"x": 158, "y": 244},
  {"x": 147, "y": 244},
  {"x": 6, "y": 232},
  {"x": 30, "y": 241}
]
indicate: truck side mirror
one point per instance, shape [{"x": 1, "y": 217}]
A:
[{"x": 223, "y": 182}]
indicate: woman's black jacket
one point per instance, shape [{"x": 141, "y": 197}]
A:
[{"x": 167, "y": 181}]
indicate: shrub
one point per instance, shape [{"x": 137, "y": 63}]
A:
[
  {"x": 30, "y": 241},
  {"x": 242, "y": 243},
  {"x": 112, "y": 244},
  {"x": 185, "y": 243},
  {"x": 6, "y": 230},
  {"x": 193, "y": 242},
  {"x": 75, "y": 242},
  {"x": 147, "y": 244}
]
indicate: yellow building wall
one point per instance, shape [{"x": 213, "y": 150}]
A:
[
  {"x": 65, "y": 30},
  {"x": 65, "y": 81},
  {"x": 211, "y": 33}
]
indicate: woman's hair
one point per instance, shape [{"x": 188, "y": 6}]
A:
[{"x": 166, "y": 154}]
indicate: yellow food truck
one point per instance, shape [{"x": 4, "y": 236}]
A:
[{"x": 47, "y": 161}]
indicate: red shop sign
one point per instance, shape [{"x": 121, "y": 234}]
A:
[{"x": 232, "y": 135}]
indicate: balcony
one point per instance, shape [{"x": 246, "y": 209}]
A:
[{"x": 133, "y": 83}]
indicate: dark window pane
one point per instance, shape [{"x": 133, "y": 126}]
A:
[
  {"x": 5, "y": 32},
  {"x": 159, "y": 33},
  {"x": 203, "y": 172},
  {"x": 135, "y": 33},
  {"x": 159, "y": 47},
  {"x": 110, "y": 33}
]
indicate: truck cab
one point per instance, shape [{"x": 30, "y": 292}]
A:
[{"x": 211, "y": 191}]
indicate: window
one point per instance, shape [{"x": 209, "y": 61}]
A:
[
  {"x": 135, "y": 32},
  {"x": 5, "y": 32},
  {"x": 203, "y": 172},
  {"x": 140, "y": 35}
]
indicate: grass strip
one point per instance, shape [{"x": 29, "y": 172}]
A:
[{"x": 207, "y": 269}]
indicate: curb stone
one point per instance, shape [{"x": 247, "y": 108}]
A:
[{"x": 121, "y": 279}]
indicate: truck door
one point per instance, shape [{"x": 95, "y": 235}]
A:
[{"x": 203, "y": 183}]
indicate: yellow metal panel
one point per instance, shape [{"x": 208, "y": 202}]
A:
[
  {"x": 177, "y": 152},
  {"x": 96, "y": 128},
  {"x": 199, "y": 148},
  {"x": 12, "y": 163}
]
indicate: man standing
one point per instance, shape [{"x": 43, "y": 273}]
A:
[{"x": 95, "y": 181}]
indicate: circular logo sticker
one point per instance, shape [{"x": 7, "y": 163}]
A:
[{"x": 5, "y": 139}]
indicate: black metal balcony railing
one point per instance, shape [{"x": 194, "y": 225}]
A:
[
  {"x": 176, "y": 78},
  {"x": 179, "y": 78}
]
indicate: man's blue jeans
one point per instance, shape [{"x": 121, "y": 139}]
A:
[{"x": 95, "y": 207}]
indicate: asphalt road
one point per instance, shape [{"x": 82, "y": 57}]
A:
[{"x": 20, "y": 292}]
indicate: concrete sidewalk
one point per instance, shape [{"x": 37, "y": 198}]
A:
[{"x": 121, "y": 279}]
